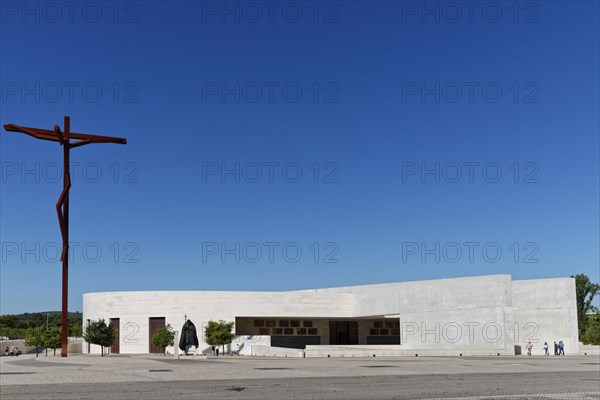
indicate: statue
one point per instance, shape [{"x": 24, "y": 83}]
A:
[{"x": 188, "y": 336}]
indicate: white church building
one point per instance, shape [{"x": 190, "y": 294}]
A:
[{"x": 482, "y": 315}]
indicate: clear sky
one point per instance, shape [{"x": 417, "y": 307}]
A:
[{"x": 293, "y": 145}]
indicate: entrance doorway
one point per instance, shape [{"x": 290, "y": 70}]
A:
[
  {"x": 343, "y": 332},
  {"x": 156, "y": 324},
  {"x": 115, "y": 323}
]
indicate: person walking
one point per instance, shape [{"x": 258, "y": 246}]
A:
[
  {"x": 561, "y": 348},
  {"x": 529, "y": 347},
  {"x": 213, "y": 351},
  {"x": 546, "y": 352},
  {"x": 555, "y": 349},
  {"x": 217, "y": 351}
]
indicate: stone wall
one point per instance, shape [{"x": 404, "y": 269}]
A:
[
  {"x": 545, "y": 310},
  {"x": 475, "y": 315}
]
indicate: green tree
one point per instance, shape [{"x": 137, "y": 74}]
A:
[
  {"x": 15, "y": 325},
  {"x": 218, "y": 333},
  {"x": 592, "y": 333},
  {"x": 585, "y": 292},
  {"x": 35, "y": 337},
  {"x": 52, "y": 339},
  {"x": 75, "y": 329},
  {"x": 98, "y": 332},
  {"x": 164, "y": 337}
]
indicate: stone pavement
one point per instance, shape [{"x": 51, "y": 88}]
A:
[{"x": 28, "y": 369}]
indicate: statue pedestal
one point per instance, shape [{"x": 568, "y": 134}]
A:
[
  {"x": 176, "y": 346},
  {"x": 194, "y": 355}
]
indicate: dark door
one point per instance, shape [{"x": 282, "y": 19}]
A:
[
  {"x": 156, "y": 324},
  {"x": 343, "y": 332},
  {"x": 352, "y": 332},
  {"x": 114, "y": 322},
  {"x": 333, "y": 337},
  {"x": 88, "y": 343}
]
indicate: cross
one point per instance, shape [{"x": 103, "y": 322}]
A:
[
  {"x": 185, "y": 317},
  {"x": 62, "y": 206}
]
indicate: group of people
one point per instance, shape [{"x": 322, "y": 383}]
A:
[
  {"x": 215, "y": 351},
  {"x": 13, "y": 351},
  {"x": 559, "y": 348}
]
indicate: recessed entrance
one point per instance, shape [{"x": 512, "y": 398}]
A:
[
  {"x": 115, "y": 323},
  {"x": 343, "y": 332},
  {"x": 156, "y": 324}
]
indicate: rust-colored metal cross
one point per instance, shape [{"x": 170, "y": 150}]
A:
[{"x": 62, "y": 206}]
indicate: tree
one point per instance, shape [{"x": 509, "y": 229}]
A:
[
  {"x": 592, "y": 333},
  {"x": 52, "y": 339},
  {"x": 164, "y": 337},
  {"x": 75, "y": 329},
  {"x": 98, "y": 332},
  {"x": 218, "y": 333},
  {"x": 15, "y": 326},
  {"x": 35, "y": 337},
  {"x": 585, "y": 291}
]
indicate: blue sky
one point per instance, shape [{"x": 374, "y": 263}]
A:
[{"x": 299, "y": 145}]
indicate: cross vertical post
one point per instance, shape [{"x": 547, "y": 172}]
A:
[{"x": 65, "y": 245}]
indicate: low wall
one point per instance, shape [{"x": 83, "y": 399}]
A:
[
  {"x": 391, "y": 351},
  {"x": 355, "y": 351},
  {"x": 20, "y": 343},
  {"x": 324, "y": 351},
  {"x": 75, "y": 347},
  {"x": 268, "y": 351},
  {"x": 589, "y": 349}
]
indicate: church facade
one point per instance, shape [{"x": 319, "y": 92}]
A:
[{"x": 483, "y": 315}]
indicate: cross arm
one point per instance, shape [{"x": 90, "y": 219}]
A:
[
  {"x": 47, "y": 134},
  {"x": 36, "y": 133}
]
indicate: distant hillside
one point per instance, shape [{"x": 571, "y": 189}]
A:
[{"x": 15, "y": 325}]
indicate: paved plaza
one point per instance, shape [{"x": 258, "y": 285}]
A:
[{"x": 157, "y": 377}]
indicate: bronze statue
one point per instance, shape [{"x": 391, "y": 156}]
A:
[{"x": 188, "y": 336}]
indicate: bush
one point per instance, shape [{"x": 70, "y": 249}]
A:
[
  {"x": 218, "y": 333},
  {"x": 98, "y": 332},
  {"x": 52, "y": 339},
  {"x": 35, "y": 337},
  {"x": 164, "y": 337}
]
